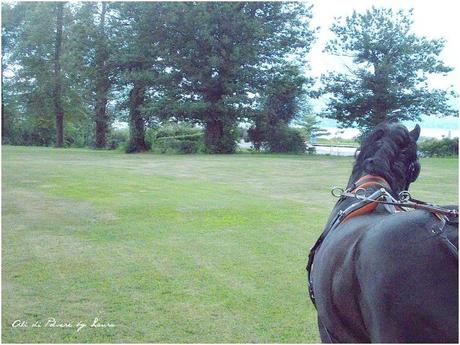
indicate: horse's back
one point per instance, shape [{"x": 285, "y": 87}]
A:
[
  {"x": 409, "y": 280},
  {"x": 391, "y": 278}
]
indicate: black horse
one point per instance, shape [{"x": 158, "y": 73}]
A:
[{"x": 381, "y": 273}]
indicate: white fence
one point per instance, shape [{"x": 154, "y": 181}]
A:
[{"x": 334, "y": 150}]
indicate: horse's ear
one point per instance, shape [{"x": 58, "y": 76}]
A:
[
  {"x": 415, "y": 133},
  {"x": 376, "y": 135}
]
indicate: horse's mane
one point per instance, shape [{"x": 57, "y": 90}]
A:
[{"x": 388, "y": 151}]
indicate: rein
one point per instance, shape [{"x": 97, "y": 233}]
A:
[
  {"x": 410, "y": 203},
  {"x": 405, "y": 200}
]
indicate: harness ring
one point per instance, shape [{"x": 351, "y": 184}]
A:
[
  {"x": 360, "y": 193},
  {"x": 404, "y": 196},
  {"x": 337, "y": 192}
]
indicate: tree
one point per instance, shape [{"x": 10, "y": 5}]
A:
[
  {"x": 310, "y": 127},
  {"x": 36, "y": 64},
  {"x": 57, "y": 92},
  {"x": 90, "y": 44},
  {"x": 204, "y": 63},
  {"x": 10, "y": 21},
  {"x": 281, "y": 105},
  {"x": 102, "y": 81},
  {"x": 139, "y": 60},
  {"x": 219, "y": 53},
  {"x": 29, "y": 91},
  {"x": 389, "y": 75}
]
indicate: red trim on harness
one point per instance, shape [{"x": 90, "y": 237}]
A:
[
  {"x": 361, "y": 211},
  {"x": 371, "y": 180},
  {"x": 366, "y": 182}
]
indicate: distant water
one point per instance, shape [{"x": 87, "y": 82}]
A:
[
  {"x": 432, "y": 127},
  {"x": 335, "y": 150},
  {"x": 437, "y": 133}
]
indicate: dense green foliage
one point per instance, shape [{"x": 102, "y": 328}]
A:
[
  {"x": 279, "y": 107},
  {"x": 309, "y": 126},
  {"x": 224, "y": 54},
  {"x": 389, "y": 71},
  {"x": 29, "y": 109},
  {"x": 438, "y": 148},
  {"x": 71, "y": 71},
  {"x": 143, "y": 62},
  {"x": 176, "y": 138},
  {"x": 90, "y": 41},
  {"x": 118, "y": 138}
]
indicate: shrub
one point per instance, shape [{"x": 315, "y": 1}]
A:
[
  {"x": 176, "y": 130},
  {"x": 118, "y": 138},
  {"x": 166, "y": 145},
  {"x": 283, "y": 139},
  {"x": 188, "y": 146},
  {"x": 23, "y": 133},
  {"x": 286, "y": 139},
  {"x": 176, "y": 138},
  {"x": 438, "y": 148}
]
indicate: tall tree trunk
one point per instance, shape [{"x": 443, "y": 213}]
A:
[
  {"x": 101, "y": 117},
  {"x": 220, "y": 135},
  {"x": 380, "y": 95},
  {"x": 213, "y": 132},
  {"x": 102, "y": 83},
  {"x": 219, "y": 132},
  {"x": 136, "y": 121},
  {"x": 4, "y": 117},
  {"x": 58, "y": 107}
]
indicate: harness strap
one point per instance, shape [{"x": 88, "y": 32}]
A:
[
  {"x": 361, "y": 211},
  {"x": 371, "y": 181},
  {"x": 364, "y": 182},
  {"x": 437, "y": 210}
]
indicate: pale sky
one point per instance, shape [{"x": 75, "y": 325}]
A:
[{"x": 433, "y": 19}]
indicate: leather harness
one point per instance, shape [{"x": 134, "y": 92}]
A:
[
  {"x": 367, "y": 204},
  {"x": 363, "y": 183}
]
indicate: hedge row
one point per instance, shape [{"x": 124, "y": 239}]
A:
[{"x": 438, "y": 148}]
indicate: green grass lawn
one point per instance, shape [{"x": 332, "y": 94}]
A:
[{"x": 200, "y": 248}]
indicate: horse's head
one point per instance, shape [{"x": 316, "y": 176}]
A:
[{"x": 390, "y": 152}]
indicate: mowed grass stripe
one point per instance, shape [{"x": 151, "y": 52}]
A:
[{"x": 169, "y": 248}]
